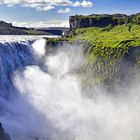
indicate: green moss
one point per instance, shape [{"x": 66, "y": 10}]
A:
[
  {"x": 114, "y": 37},
  {"x": 107, "y": 50}
]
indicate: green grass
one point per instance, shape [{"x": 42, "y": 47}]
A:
[
  {"x": 117, "y": 37},
  {"x": 108, "y": 46}
]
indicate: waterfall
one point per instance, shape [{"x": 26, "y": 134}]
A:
[
  {"x": 41, "y": 97},
  {"x": 14, "y": 58}
]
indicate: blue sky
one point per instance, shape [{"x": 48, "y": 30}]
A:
[{"x": 44, "y": 13}]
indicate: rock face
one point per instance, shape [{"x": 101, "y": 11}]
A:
[
  {"x": 2, "y": 23},
  {"x": 79, "y": 21},
  {"x": 3, "y": 134},
  {"x": 92, "y": 20},
  {"x": 8, "y": 29}
]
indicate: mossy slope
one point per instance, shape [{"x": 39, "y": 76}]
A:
[{"x": 109, "y": 55}]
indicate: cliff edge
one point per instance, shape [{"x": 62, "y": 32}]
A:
[{"x": 102, "y": 20}]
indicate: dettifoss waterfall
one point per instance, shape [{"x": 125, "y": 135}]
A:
[{"x": 41, "y": 97}]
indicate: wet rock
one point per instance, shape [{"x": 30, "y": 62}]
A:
[{"x": 3, "y": 134}]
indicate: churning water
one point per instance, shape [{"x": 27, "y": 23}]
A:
[{"x": 41, "y": 98}]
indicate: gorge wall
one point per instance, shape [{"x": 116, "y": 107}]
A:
[{"x": 102, "y": 20}]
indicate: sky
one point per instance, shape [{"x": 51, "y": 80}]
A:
[{"x": 55, "y": 13}]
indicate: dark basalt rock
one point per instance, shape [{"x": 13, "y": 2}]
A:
[
  {"x": 102, "y": 20},
  {"x": 3, "y": 134}
]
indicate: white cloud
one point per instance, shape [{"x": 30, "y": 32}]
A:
[
  {"x": 77, "y": 4},
  {"x": 45, "y": 8},
  {"x": 84, "y": 3},
  {"x": 46, "y": 5},
  {"x": 87, "y": 3},
  {"x": 43, "y": 24},
  {"x": 63, "y": 11}
]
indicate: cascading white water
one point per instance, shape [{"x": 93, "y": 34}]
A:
[{"x": 50, "y": 104}]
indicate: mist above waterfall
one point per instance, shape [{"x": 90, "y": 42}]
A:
[{"x": 47, "y": 101}]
